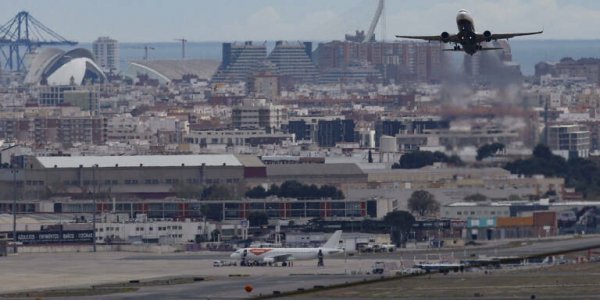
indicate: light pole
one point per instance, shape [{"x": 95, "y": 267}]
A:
[
  {"x": 94, "y": 204},
  {"x": 14, "y": 208}
]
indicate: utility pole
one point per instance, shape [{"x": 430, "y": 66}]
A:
[
  {"x": 14, "y": 208},
  {"x": 183, "y": 42}
]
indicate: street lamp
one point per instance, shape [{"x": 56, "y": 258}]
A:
[{"x": 14, "y": 208}]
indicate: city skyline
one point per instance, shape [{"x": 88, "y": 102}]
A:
[{"x": 162, "y": 21}]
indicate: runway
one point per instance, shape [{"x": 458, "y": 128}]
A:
[{"x": 69, "y": 270}]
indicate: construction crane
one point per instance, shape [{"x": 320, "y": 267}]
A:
[
  {"x": 183, "y": 42},
  {"x": 21, "y": 35},
  {"x": 146, "y": 48},
  {"x": 371, "y": 31}
]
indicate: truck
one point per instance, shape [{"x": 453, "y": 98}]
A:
[
  {"x": 224, "y": 263},
  {"x": 379, "y": 267}
]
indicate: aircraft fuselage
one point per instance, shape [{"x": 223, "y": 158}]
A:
[{"x": 466, "y": 32}]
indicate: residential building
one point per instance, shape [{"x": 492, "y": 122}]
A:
[
  {"x": 294, "y": 62},
  {"x": 258, "y": 114},
  {"x": 569, "y": 140},
  {"x": 335, "y": 131},
  {"x": 106, "y": 52}
]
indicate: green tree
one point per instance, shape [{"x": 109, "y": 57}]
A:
[
  {"x": 422, "y": 203},
  {"x": 477, "y": 197},
  {"x": 183, "y": 190},
  {"x": 258, "y": 218},
  {"x": 258, "y": 192},
  {"x": 419, "y": 159},
  {"x": 489, "y": 150},
  {"x": 291, "y": 189},
  {"x": 217, "y": 192},
  {"x": 400, "y": 223},
  {"x": 542, "y": 151}
]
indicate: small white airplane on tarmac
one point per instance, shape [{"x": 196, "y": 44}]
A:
[{"x": 284, "y": 255}]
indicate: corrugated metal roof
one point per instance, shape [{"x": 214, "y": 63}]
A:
[{"x": 136, "y": 161}]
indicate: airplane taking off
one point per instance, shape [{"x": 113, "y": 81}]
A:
[
  {"x": 467, "y": 37},
  {"x": 284, "y": 255}
]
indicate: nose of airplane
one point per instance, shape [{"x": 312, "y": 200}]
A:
[{"x": 234, "y": 255}]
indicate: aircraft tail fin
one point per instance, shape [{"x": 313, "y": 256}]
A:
[{"x": 334, "y": 241}]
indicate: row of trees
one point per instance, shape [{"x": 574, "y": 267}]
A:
[
  {"x": 419, "y": 159},
  {"x": 211, "y": 192},
  {"x": 581, "y": 174},
  {"x": 295, "y": 189}
]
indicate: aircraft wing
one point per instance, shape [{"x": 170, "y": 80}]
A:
[
  {"x": 504, "y": 36},
  {"x": 453, "y": 38}
]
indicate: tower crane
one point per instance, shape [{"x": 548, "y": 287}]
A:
[{"x": 183, "y": 42}]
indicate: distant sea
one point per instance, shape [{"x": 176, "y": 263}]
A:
[{"x": 525, "y": 52}]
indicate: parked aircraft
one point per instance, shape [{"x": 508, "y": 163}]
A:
[{"x": 284, "y": 255}]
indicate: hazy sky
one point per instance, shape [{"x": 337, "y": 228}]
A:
[{"x": 228, "y": 20}]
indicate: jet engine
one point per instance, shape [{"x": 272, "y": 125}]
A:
[
  {"x": 268, "y": 260},
  {"x": 488, "y": 35},
  {"x": 445, "y": 36}
]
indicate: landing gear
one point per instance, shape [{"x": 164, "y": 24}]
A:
[{"x": 284, "y": 264}]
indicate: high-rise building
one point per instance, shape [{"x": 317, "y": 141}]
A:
[
  {"x": 294, "y": 62},
  {"x": 106, "y": 52},
  {"x": 240, "y": 62},
  {"x": 394, "y": 62}
]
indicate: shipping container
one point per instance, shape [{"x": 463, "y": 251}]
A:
[
  {"x": 546, "y": 218},
  {"x": 481, "y": 222},
  {"x": 514, "y": 221}
]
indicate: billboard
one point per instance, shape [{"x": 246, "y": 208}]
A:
[{"x": 54, "y": 237}]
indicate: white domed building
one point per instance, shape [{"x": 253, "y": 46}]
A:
[{"x": 58, "y": 67}]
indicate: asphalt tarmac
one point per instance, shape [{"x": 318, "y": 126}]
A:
[{"x": 69, "y": 270}]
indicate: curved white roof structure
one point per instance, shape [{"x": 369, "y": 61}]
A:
[
  {"x": 56, "y": 67},
  {"x": 167, "y": 70}
]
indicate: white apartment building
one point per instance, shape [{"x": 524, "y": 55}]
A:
[
  {"x": 259, "y": 114},
  {"x": 106, "y": 52}
]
